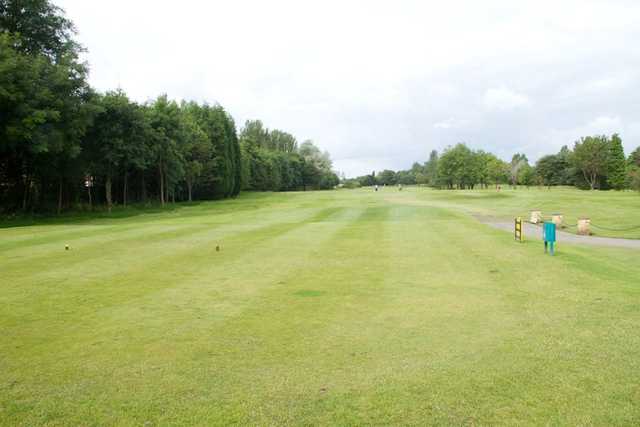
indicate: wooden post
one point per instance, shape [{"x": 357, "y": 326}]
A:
[
  {"x": 583, "y": 226},
  {"x": 536, "y": 217}
]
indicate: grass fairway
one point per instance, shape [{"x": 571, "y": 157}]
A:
[{"x": 343, "y": 307}]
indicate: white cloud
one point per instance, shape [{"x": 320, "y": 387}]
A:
[
  {"x": 603, "y": 125},
  {"x": 445, "y": 124},
  {"x": 502, "y": 99},
  {"x": 450, "y": 123}
]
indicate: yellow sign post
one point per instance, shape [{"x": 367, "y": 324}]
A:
[{"x": 518, "y": 230}]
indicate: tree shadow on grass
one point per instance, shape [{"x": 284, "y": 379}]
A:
[
  {"x": 88, "y": 217},
  {"x": 248, "y": 200}
]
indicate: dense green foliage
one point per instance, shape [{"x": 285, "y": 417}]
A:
[
  {"x": 42, "y": 28},
  {"x": 64, "y": 145},
  {"x": 616, "y": 164},
  {"x": 633, "y": 179},
  {"x": 596, "y": 162},
  {"x": 457, "y": 167},
  {"x": 272, "y": 160},
  {"x": 45, "y": 103}
]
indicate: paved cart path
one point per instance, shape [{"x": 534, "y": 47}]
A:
[{"x": 532, "y": 231}]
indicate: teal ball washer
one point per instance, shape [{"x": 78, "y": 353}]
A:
[{"x": 549, "y": 236}]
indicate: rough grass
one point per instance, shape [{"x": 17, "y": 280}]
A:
[{"x": 346, "y": 307}]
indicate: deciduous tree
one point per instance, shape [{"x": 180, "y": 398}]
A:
[{"x": 590, "y": 156}]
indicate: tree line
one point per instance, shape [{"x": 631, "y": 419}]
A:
[
  {"x": 63, "y": 144},
  {"x": 595, "y": 162},
  {"x": 273, "y": 160}
]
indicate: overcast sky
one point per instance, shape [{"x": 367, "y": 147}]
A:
[{"x": 380, "y": 84}]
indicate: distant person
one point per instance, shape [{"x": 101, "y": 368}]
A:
[
  {"x": 399, "y": 187},
  {"x": 376, "y": 187}
]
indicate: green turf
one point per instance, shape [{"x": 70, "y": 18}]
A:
[
  {"x": 613, "y": 213},
  {"x": 335, "y": 308}
]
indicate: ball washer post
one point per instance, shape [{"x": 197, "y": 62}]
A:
[{"x": 549, "y": 236}]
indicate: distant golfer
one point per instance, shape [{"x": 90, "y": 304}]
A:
[
  {"x": 376, "y": 187},
  {"x": 399, "y": 187}
]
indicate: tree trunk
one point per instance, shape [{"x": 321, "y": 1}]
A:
[
  {"x": 189, "y": 185},
  {"x": 107, "y": 188},
  {"x": 166, "y": 188},
  {"x": 25, "y": 196},
  {"x": 161, "y": 176},
  {"x": 60, "y": 196},
  {"x": 124, "y": 190},
  {"x": 589, "y": 179},
  {"x": 143, "y": 189},
  {"x": 90, "y": 198}
]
